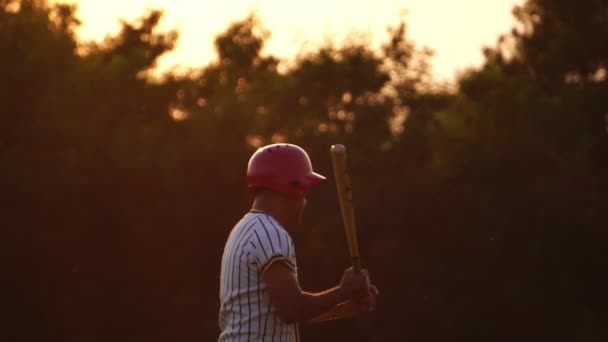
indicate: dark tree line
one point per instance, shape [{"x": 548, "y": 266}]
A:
[{"x": 482, "y": 211}]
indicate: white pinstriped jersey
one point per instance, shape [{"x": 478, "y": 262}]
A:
[{"x": 246, "y": 314}]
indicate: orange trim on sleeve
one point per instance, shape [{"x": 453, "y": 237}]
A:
[{"x": 277, "y": 258}]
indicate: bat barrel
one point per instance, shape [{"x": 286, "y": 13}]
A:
[{"x": 343, "y": 185}]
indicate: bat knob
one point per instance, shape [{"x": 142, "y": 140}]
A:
[{"x": 338, "y": 148}]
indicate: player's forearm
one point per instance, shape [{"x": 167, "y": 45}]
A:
[
  {"x": 340, "y": 311},
  {"x": 310, "y": 305}
]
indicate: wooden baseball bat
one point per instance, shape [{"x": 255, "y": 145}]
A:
[{"x": 342, "y": 175}]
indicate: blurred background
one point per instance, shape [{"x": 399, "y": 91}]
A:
[{"x": 478, "y": 145}]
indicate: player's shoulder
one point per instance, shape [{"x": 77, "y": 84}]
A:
[
  {"x": 248, "y": 221},
  {"x": 263, "y": 222},
  {"x": 268, "y": 222}
]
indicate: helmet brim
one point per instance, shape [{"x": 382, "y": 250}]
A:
[{"x": 315, "y": 178}]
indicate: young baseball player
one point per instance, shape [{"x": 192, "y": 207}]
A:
[{"x": 260, "y": 295}]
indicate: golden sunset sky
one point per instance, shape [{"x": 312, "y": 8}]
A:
[{"x": 455, "y": 30}]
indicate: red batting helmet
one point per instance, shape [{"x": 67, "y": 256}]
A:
[{"x": 284, "y": 168}]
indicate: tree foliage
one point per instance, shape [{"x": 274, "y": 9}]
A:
[{"x": 480, "y": 210}]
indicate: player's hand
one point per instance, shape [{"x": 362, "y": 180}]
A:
[
  {"x": 359, "y": 306},
  {"x": 368, "y": 303},
  {"x": 354, "y": 285}
]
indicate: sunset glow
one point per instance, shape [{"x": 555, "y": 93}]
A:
[{"x": 456, "y": 31}]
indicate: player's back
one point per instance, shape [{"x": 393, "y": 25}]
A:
[{"x": 246, "y": 313}]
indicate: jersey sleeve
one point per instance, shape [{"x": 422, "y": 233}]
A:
[{"x": 271, "y": 243}]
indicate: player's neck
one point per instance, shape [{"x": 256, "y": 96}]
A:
[{"x": 272, "y": 206}]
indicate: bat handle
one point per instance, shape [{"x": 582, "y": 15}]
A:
[{"x": 356, "y": 264}]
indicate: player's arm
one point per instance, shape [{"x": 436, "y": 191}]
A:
[
  {"x": 294, "y": 305},
  {"x": 350, "y": 308}
]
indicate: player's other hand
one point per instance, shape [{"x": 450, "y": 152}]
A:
[
  {"x": 362, "y": 305},
  {"x": 355, "y": 285},
  {"x": 368, "y": 303}
]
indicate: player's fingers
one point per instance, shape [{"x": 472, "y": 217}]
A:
[
  {"x": 368, "y": 300},
  {"x": 374, "y": 290},
  {"x": 371, "y": 304},
  {"x": 364, "y": 278},
  {"x": 364, "y": 305},
  {"x": 365, "y": 275}
]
